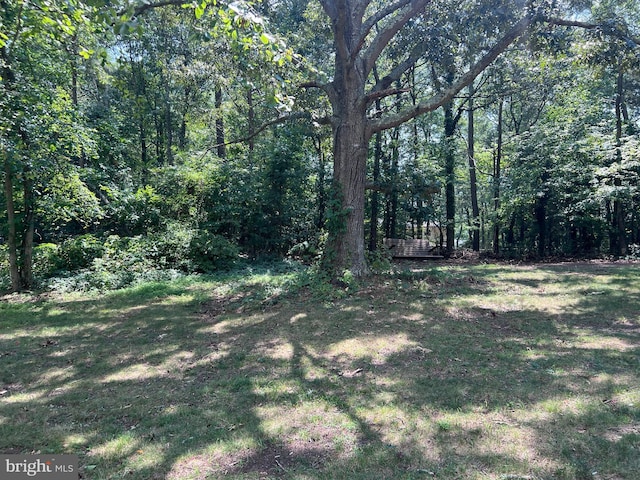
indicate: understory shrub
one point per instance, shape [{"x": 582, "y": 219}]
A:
[
  {"x": 79, "y": 252},
  {"x": 171, "y": 247},
  {"x": 125, "y": 261},
  {"x": 119, "y": 262},
  {"x": 46, "y": 260},
  {"x": 87, "y": 262},
  {"x": 210, "y": 252}
]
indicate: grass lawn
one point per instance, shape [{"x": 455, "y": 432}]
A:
[{"x": 440, "y": 371}]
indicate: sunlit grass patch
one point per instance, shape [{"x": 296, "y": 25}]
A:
[{"x": 474, "y": 372}]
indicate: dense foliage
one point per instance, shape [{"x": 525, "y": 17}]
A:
[{"x": 150, "y": 141}]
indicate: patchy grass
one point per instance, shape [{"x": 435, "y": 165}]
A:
[{"x": 439, "y": 371}]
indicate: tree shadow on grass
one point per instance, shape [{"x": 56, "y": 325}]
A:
[{"x": 384, "y": 384}]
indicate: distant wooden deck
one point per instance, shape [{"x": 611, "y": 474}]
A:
[{"x": 412, "y": 248}]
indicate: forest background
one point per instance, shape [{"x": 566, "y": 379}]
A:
[{"x": 141, "y": 143}]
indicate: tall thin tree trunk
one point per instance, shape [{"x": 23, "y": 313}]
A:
[
  {"x": 541, "y": 221},
  {"x": 20, "y": 262},
  {"x": 620, "y": 243},
  {"x": 375, "y": 201},
  {"x": 473, "y": 182},
  {"x": 320, "y": 186},
  {"x": 144, "y": 156},
  {"x": 159, "y": 138},
  {"x": 415, "y": 144},
  {"x": 28, "y": 223},
  {"x": 140, "y": 83},
  {"x": 182, "y": 134},
  {"x": 12, "y": 240},
  {"x": 251, "y": 119},
  {"x": 449, "y": 173},
  {"x": 168, "y": 121},
  {"x": 496, "y": 181},
  {"x": 220, "y": 141},
  {"x": 393, "y": 200}
]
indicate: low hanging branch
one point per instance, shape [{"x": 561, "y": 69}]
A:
[
  {"x": 609, "y": 28},
  {"x": 276, "y": 121},
  {"x": 373, "y": 96}
]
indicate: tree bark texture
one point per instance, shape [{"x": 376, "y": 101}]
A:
[{"x": 350, "y": 147}]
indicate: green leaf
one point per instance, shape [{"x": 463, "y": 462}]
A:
[
  {"x": 86, "y": 54},
  {"x": 199, "y": 11},
  {"x": 265, "y": 39}
]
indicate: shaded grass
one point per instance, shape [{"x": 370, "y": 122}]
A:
[{"x": 436, "y": 371}]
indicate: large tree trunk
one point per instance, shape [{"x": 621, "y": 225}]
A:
[
  {"x": 346, "y": 243},
  {"x": 359, "y": 44},
  {"x": 346, "y": 248}
]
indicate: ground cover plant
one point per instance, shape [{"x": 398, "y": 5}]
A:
[{"x": 433, "y": 371}]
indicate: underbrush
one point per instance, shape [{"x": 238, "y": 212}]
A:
[{"x": 89, "y": 262}]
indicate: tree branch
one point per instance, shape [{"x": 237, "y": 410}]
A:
[
  {"x": 448, "y": 93},
  {"x": 314, "y": 84},
  {"x": 337, "y": 15},
  {"x": 373, "y": 96},
  {"x": 373, "y": 20},
  {"x": 140, "y": 9},
  {"x": 383, "y": 38},
  {"x": 395, "y": 74},
  {"x": 608, "y": 28},
  {"x": 262, "y": 128}
]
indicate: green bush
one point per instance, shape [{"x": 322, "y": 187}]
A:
[
  {"x": 171, "y": 248},
  {"x": 79, "y": 252},
  {"x": 379, "y": 260},
  {"x": 125, "y": 261},
  {"x": 306, "y": 252},
  {"x": 211, "y": 252},
  {"x": 46, "y": 260},
  {"x": 118, "y": 262}
]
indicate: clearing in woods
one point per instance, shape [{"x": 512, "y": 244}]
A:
[{"x": 443, "y": 371}]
